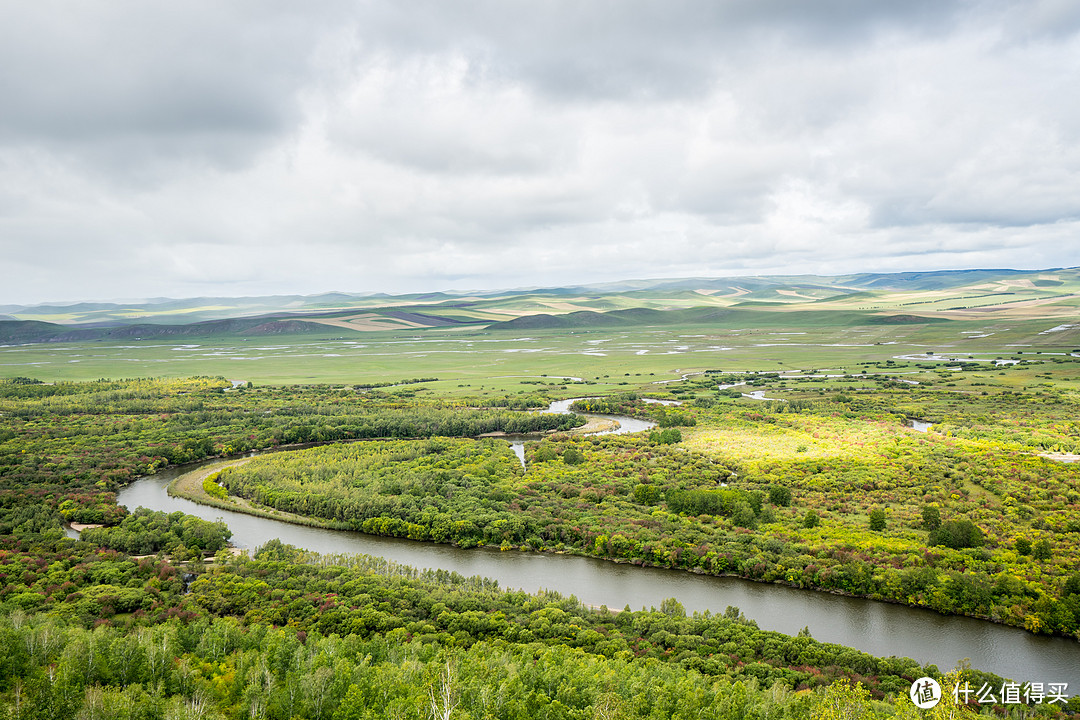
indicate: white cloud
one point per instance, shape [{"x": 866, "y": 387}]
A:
[{"x": 208, "y": 149}]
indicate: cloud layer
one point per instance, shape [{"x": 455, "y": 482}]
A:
[{"x": 208, "y": 148}]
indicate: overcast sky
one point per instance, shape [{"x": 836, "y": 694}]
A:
[{"x": 230, "y": 148}]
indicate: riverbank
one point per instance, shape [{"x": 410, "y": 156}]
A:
[
  {"x": 1061, "y": 457},
  {"x": 754, "y": 561},
  {"x": 873, "y": 626},
  {"x": 595, "y": 424},
  {"x": 339, "y": 517},
  {"x": 190, "y": 487}
]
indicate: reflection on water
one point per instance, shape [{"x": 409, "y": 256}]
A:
[
  {"x": 518, "y": 446},
  {"x": 622, "y": 426}
]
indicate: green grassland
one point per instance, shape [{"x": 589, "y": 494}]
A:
[
  {"x": 628, "y": 335},
  {"x": 497, "y": 361}
]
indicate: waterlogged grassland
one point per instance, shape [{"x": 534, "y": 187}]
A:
[{"x": 477, "y": 361}]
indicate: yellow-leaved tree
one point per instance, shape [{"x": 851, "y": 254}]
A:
[
  {"x": 844, "y": 701},
  {"x": 949, "y": 708}
]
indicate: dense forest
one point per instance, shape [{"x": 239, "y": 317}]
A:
[
  {"x": 290, "y": 635},
  {"x": 825, "y": 491},
  {"x": 74, "y": 444}
]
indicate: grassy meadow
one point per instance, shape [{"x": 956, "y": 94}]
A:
[{"x": 471, "y": 360}]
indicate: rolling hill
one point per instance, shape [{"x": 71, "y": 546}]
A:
[{"x": 869, "y": 298}]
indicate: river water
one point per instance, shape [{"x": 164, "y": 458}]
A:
[
  {"x": 879, "y": 628},
  {"x": 623, "y": 425}
]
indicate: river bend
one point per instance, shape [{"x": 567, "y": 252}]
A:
[{"x": 878, "y": 628}]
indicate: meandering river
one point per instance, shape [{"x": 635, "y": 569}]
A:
[{"x": 875, "y": 627}]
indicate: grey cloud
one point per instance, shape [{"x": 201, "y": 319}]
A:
[
  {"x": 635, "y": 49},
  {"x": 509, "y": 143},
  {"x": 1039, "y": 20},
  {"x": 132, "y": 82}
]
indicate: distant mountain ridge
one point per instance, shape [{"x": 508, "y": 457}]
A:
[
  {"x": 737, "y": 315},
  {"x": 865, "y": 297}
]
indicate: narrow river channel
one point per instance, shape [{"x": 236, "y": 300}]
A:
[{"x": 875, "y": 627}]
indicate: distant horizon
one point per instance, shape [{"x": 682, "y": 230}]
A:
[{"x": 499, "y": 290}]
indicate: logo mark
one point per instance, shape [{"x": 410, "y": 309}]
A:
[{"x": 925, "y": 693}]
